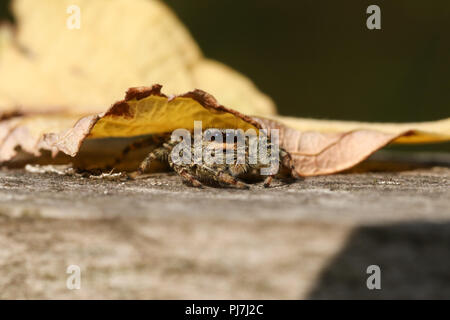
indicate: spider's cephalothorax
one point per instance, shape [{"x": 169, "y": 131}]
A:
[{"x": 223, "y": 173}]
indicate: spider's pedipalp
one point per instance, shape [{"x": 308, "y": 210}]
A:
[{"x": 229, "y": 180}]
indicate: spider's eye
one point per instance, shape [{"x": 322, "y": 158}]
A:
[
  {"x": 231, "y": 136},
  {"x": 217, "y": 135},
  {"x": 213, "y": 135}
]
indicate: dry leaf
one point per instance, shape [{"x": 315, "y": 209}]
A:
[
  {"x": 145, "y": 110},
  {"x": 324, "y": 147},
  {"x": 121, "y": 44},
  {"x": 420, "y": 132}
]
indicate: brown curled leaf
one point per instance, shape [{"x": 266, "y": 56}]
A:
[
  {"x": 145, "y": 110},
  {"x": 420, "y": 132},
  {"x": 319, "y": 153}
]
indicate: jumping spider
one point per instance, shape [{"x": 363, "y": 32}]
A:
[{"x": 221, "y": 174}]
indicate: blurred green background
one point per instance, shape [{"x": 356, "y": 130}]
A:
[{"x": 318, "y": 59}]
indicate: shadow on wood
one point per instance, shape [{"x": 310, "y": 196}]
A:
[{"x": 413, "y": 257}]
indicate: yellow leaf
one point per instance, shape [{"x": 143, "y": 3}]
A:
[
  {"x": 120, "y": 44},
  {"x": 144, "y": 111}
]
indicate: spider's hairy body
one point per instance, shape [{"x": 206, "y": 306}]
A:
[{"x": 225, "y": 173}]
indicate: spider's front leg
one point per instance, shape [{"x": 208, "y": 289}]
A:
[
  {"x": 229, "y": 180},
  {"x": 161, "y": 154},
  {"x": 187, "y": 176},
  {"x": 193, "y": 174},
  {"x": 222, "y": 174},
  {"x": 145, "y": 164},
  {"x": 285, "y": 160}
]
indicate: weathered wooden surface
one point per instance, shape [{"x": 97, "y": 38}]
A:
[{"x": 157, "y": 238}]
